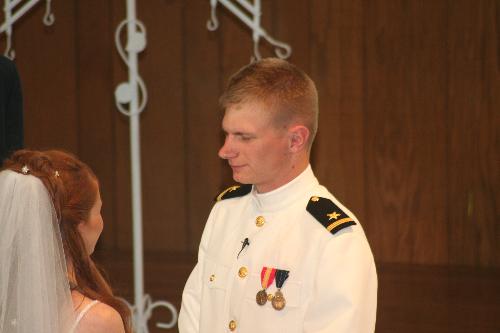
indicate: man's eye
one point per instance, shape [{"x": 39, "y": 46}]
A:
[{"x": 246, "y": 137}]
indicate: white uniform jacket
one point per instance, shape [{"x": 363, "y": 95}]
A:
[{"x": 332, "y": 283}]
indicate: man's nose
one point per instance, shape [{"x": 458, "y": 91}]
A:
[{"x": 227, "y": 150}]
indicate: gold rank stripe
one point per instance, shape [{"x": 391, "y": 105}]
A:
[
  {"x": 337, "y": 223},
  {"x": 231, "y": 189}
]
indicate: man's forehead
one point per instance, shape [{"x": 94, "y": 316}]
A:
[
  {"x": 234, "y": 124},
  {"x": 248, "y": 105},
  {"x": 245, "y": 118}
]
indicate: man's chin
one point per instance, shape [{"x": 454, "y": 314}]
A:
[{"x": 238, "y": 177}]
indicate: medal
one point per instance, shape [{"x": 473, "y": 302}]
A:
[
  {"x": 266, "y": 279},
  {"x": 261, "y": 297},
  {"x": 279, "y": 301}
]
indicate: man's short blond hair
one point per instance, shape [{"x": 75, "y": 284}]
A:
[{"x": 282, "y": 87}]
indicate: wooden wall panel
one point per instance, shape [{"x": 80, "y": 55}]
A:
[
  {"x": 162, "y": 127},
  {"x": 336, "y": 67},
  {"x": 95, "y": 104},
  {"x": 48, "y": 77},
  {"x": 202, "y": 86},
  {"x": 297, "y": 14},
  {"x": 122, "y": 143},
  {"x": 404, "y": 117},
  {"x": 408, "y": 98},
  {"x": 474, "y": 86}
]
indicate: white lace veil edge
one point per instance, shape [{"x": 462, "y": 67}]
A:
[{"x": 34, "y": 289}]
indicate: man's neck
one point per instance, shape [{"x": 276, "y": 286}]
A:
[{"x": 293, "y": 171}]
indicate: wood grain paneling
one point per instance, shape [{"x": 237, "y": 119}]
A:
[
  {"x": 297, "y": 13},
  {"x": 473, "y": 148},
  {"x": 95, "y": 104},
  {"x": 202, "y": 85},
  {"x": 404, "y": 122},
  {"x": 46, "y": 60},
  {"x": 408, "y": 114},
  {"x": 121, "y": 141},
  {"x": 162, "y": 127},
  {"x": 337, "y": 68}
]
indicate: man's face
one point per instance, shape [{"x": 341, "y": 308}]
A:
[{"x": 255, "y": 148}]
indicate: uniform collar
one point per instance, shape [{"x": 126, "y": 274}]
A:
[{"x": 286, "y": 194}]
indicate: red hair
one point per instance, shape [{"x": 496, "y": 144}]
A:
[
  {"x": 287, "y": 91},
  {"x": 73, "y": 188}
]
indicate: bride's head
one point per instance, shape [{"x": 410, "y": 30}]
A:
[{"x": 74, "y": 190}]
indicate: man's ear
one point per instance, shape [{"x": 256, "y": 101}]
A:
[{"x": 299, "y": 135}]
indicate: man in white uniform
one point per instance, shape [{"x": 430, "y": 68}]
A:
[{"x": 279, "y": 253}]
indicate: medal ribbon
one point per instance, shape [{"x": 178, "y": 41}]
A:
[
  {"x": 267, "y": 276},
  {"x": 281, "y": 276}
]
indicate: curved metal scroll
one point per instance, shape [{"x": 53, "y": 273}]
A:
[
  {"x": 250, "y": 15},
  {"x": 140, "y": 322},
  {"x": 130, "y": 99},
  {"x": 12, "y": 14}
]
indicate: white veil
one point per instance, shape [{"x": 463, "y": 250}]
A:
[{"x": 34, "y": 289}]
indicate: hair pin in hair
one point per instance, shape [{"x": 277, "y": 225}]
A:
[
  {"x": 56, "y": 174},
  {"x": 25, "y": 170}
]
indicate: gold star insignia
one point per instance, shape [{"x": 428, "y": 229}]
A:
[{"x": 333, "y": 215}]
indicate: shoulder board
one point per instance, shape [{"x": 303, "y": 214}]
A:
[
  {"x": 234, "y": 192},
  {"x": 329, "y": 214}
]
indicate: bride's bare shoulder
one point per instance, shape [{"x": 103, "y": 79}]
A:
[{"x": 100, "y": 318}]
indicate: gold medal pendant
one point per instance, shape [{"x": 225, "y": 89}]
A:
[
  {"x": 266, "y": 279},
  {"x": 279, "y": 301},
  {"x": 261, "y": 297}
]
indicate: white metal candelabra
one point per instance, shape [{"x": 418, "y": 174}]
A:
[
  {"x": 12, "y": 14},
  {"x": 249, "y": 13},
  {"x": 128, "y": 93}
]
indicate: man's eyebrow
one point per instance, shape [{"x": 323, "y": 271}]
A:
[{"x": 238, "y": 133}]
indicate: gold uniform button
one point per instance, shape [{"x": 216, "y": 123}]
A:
[
  {"x": 315, "y": 199},
  {"x": 242, "y": 272},
  {"x": 270, "y": 297},
  {"x": 232, "y": 325},
  {"x": 212, "y": 278},
  {"x": 259, "y": 221}
]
